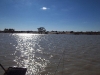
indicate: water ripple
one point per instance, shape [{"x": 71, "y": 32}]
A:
[{"x": 41, "y": 54}]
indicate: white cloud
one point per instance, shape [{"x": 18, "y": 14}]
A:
[{"x": 44, "y": 8}]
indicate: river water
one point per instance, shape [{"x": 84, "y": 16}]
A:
[{"x": 51, "y": 54}]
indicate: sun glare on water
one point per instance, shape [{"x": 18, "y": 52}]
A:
[{"x": 28, "y": 53}]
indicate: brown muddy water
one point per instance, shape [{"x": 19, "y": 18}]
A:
[{"x": 51, "y": 54}]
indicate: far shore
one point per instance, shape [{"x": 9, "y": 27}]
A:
[{"x": 55, "y": 32}]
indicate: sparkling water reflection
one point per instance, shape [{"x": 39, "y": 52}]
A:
[
  {"x": 28, "y": 50},
  {"x": 41, "y": 54}
]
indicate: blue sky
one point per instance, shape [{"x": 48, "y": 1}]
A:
[{"x": 60, "y": 15}]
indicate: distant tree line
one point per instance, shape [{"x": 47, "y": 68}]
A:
[
  {"x": 85, "y": 33},
  {"x": 9, "y": 30},
  {"x": 42, "y": 30}
]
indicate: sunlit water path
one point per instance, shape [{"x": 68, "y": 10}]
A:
[{"x": 51, "y": 54}]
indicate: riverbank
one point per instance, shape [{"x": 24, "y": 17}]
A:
[{"x": 55, "y": 32}]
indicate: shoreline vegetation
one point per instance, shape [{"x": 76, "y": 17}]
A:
[{"x": 41, "y": 31}]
